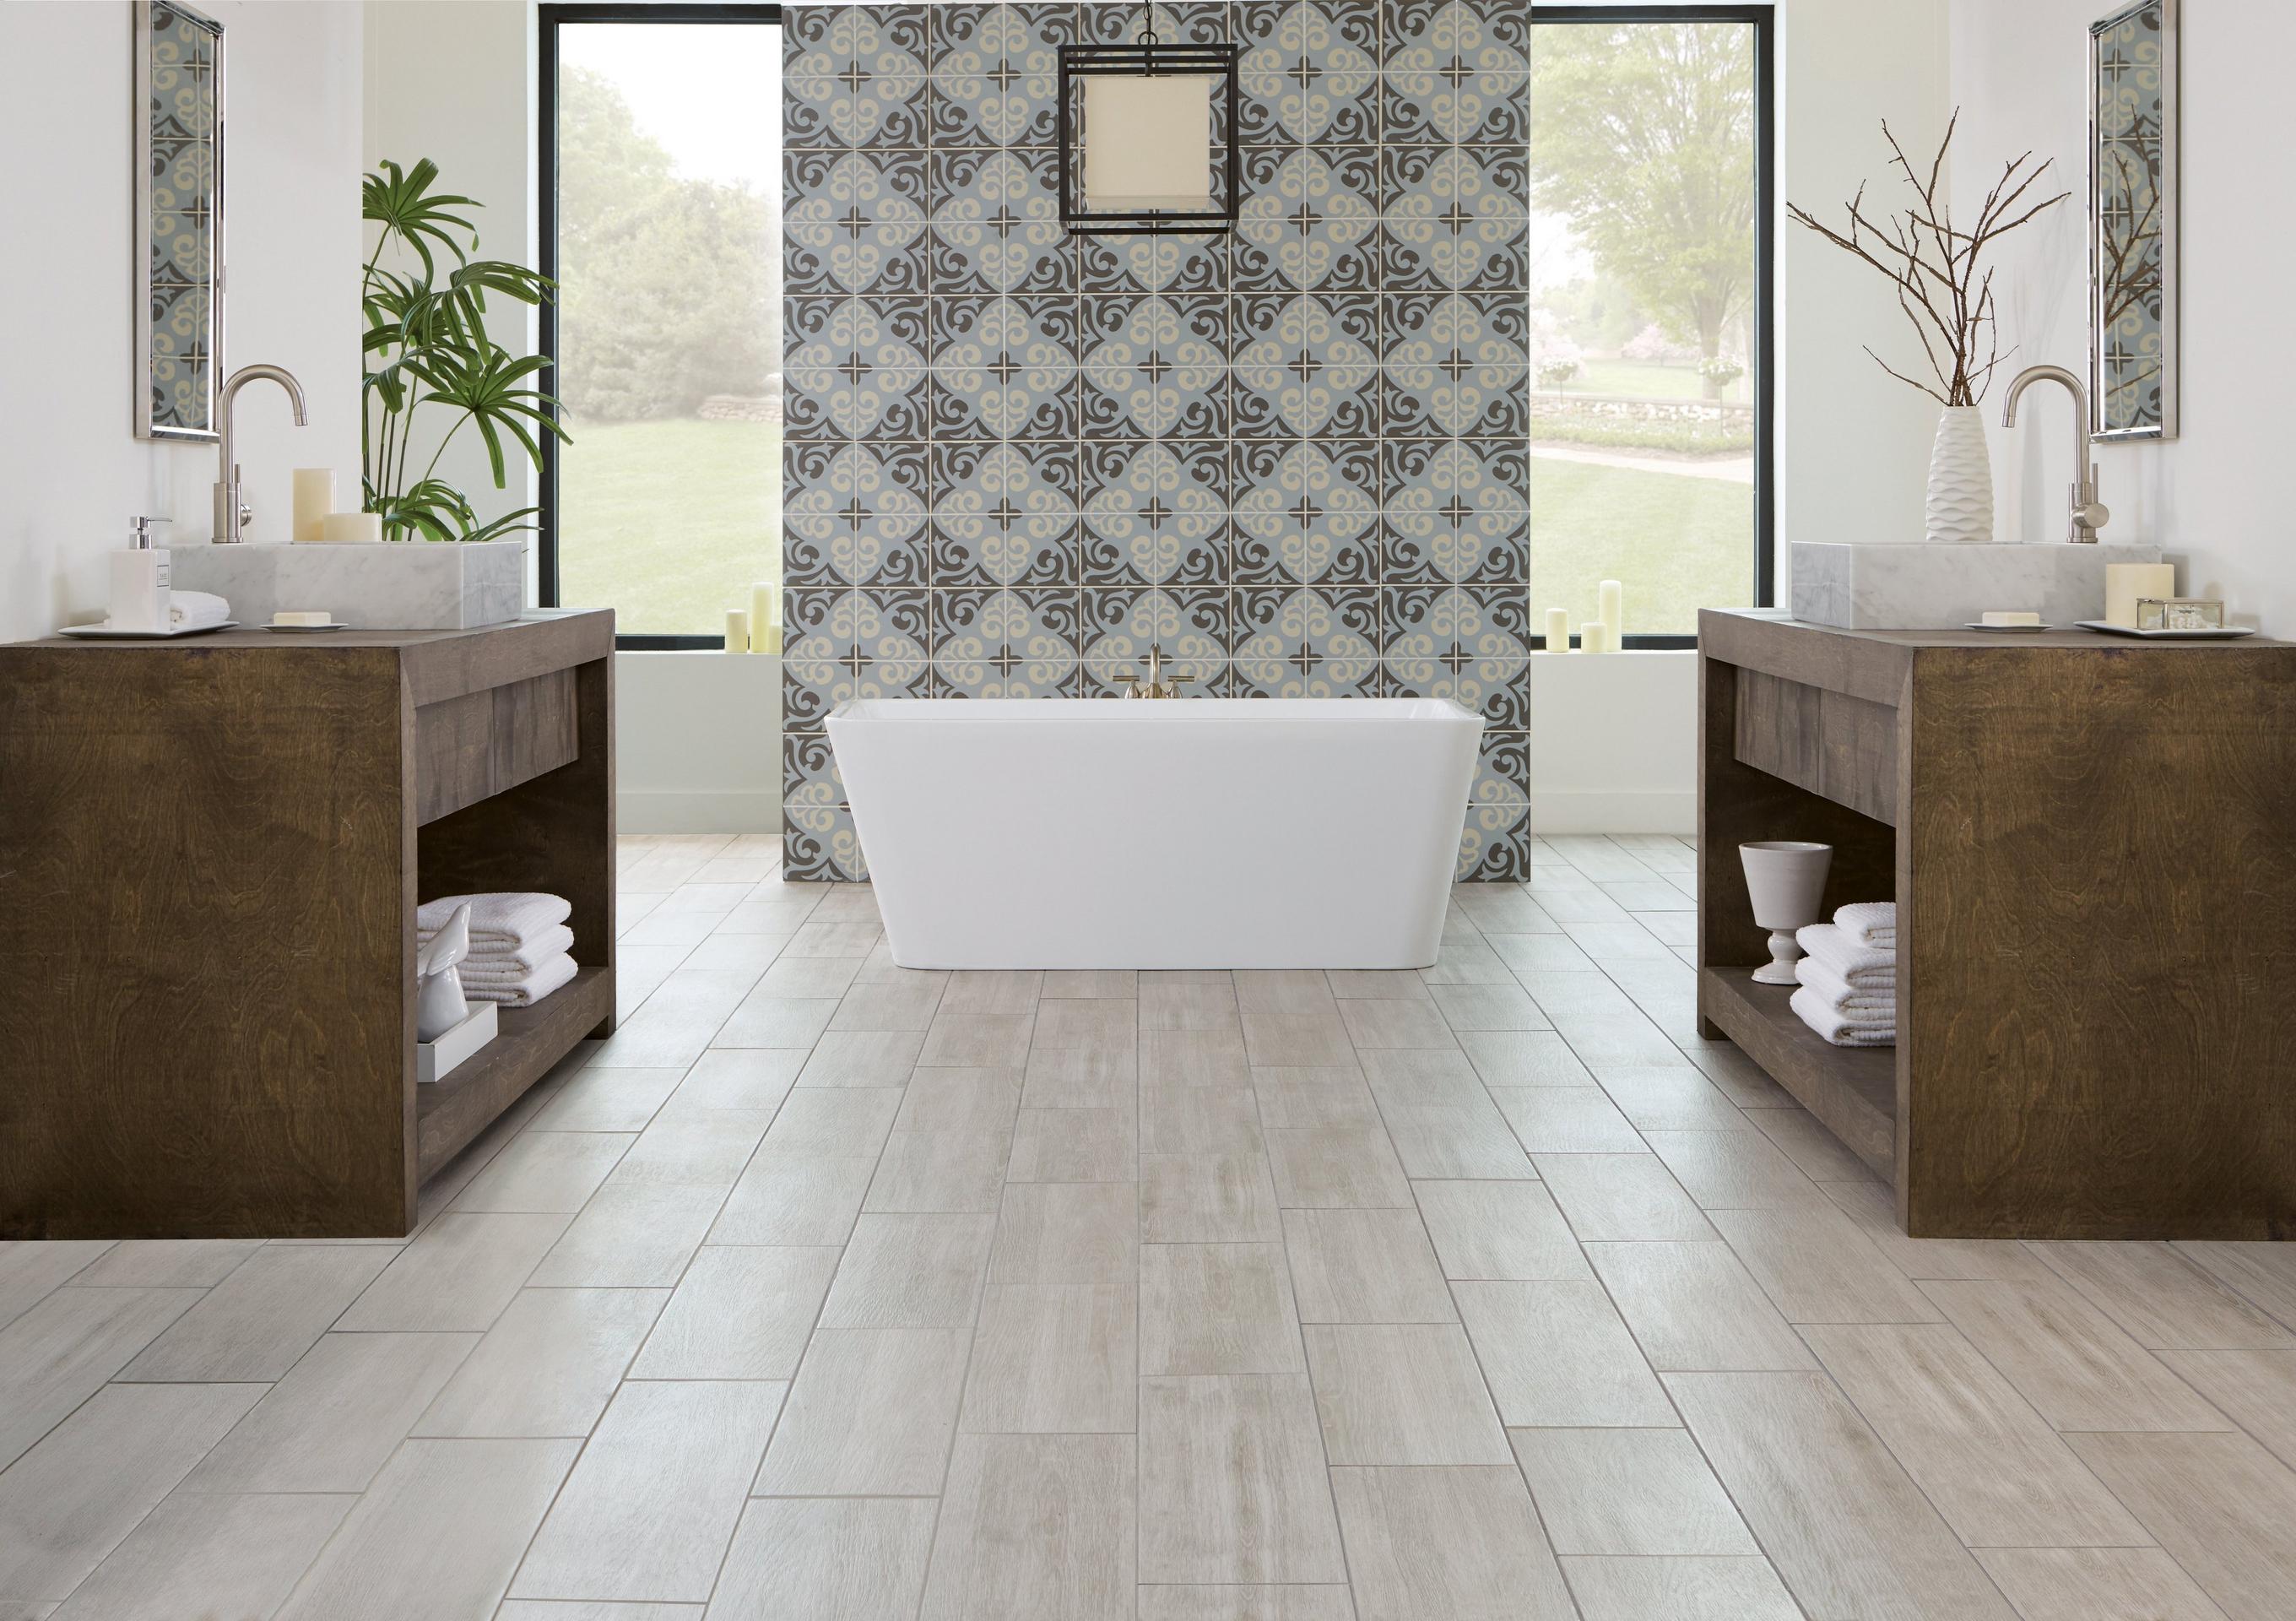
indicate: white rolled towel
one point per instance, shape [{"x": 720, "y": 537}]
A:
[
  {"x": 1839, "y": 1028},
  {"x": 190, "y": 610},
  {"x": 510, "y": 964},
  {"x": 498, "y": 921},
  {"x": 525, "y": 992},
  {"x": 1835, "y": 991},
  {"x": 1869, "y": 923},
  {"x": 1866, "y": 967}
]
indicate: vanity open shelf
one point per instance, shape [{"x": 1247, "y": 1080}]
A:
[
  {"x": 211, "y": 853},
  {"x": 2092, "y": 847}
]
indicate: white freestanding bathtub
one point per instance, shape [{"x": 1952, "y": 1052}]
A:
[{"x": 1199, "y": 833}]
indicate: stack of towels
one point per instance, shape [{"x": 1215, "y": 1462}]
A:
[
  {"x": 1848, "y": 990},
  {"x": 519, "y": 944}
]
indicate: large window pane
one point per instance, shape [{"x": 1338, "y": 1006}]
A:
[
  {"x": 668, "y": 241},
  {"x": 1642, "y": 193}
]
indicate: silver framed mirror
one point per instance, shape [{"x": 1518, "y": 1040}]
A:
[
  {"x": 2132, "y": 216},
  {"x": 178, "y": 219}
]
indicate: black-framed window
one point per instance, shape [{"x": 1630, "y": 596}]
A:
[
  {"x": 659, "y": 200},
  {"x": 1653, "y": 165}
]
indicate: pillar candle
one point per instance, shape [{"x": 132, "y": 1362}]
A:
[
  {"x": 1611, "y": 609},
  {"x": 764, "y": 618},
  {"x": 2125, "y": 582},
  {"x": 339, "y": 528},
  {"x": 1593, "y": 637},
  {"x": 315, "y": 499},
  {"x": 1558, "y": 630},
  {"x": 737, "y": 631}
]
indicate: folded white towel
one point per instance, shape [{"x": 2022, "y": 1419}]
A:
[
  {"x": 497, "y": 920},
  {"x": 1835, "y": 991},
  {"x": 1839, "y": 1028},
  {"x": 513, "y": 963},
  {"x": 188, "y": 610},
  {"x": 1869, "y": 923},
  {"x": 1864, "y": 967},
  {"x": 526, "y": 991}
]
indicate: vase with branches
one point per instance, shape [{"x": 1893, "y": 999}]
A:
[
  {"x": 1939, "y": 270},
  {"x": 426, "y": 344}
]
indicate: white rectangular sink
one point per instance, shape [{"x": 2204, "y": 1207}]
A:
[
  {"x": 389, "y": 585},
  {"x": 1936, "y": 588}
]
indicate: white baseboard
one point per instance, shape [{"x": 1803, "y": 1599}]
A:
[
  {"x": 1610, "y": 812},
  {"x": 668, "y": 810}
]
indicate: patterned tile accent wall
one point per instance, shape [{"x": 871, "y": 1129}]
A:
[{"x": 1295, "y": 456}]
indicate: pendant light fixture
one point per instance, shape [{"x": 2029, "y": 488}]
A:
[{"x": 1149, "y": 136}]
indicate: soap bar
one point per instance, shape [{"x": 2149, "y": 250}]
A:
[
  {"x": 2009, "y": 619},
  {"x": 283, "y": 618}
]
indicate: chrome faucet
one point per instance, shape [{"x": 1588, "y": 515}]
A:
[
  {"x": 2087, "y": 513},
  {"x": 1158, "y": 685},
  {"x": 231, "y": 512}
]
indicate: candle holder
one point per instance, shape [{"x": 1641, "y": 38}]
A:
[{"x": 1785, "y": 879}]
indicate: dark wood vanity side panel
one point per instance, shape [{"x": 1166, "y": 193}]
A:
[
  {"x": 204, "y": 1005},
  {"x": 2101, "y": 913}
]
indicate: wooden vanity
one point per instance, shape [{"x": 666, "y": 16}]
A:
[
  {"x": 211, "y": 850},
  {"x": 2092, "y": 845}
]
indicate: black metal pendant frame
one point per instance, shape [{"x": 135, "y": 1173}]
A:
[{"x": 1149, "y": 61}]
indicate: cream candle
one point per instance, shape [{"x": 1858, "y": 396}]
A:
[
  {"x": 1611, "y": 608},
  {"x": 315, "y": 499},
  {"x": 338, "y": 528},
  {"x": 765, "y": 619},
  {"x": 1593, "y": 637},
  {"x": 737, "y": 631},
  {"x": 2125, "y": 582},
  {"x": 1558, "y": 630}
]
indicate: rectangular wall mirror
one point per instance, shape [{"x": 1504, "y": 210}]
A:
[
  {"x": 2132, "y": 174},
  {"x": 178, "y": 207}
]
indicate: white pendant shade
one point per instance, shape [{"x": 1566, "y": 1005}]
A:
[{"x": 1148, "y": 142}]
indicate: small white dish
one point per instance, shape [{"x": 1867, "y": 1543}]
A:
[
  {"x": 2222, "y": 633},
  {"x": 300, "y": 630},
  {"x": 2009, "y": 630},
  {"x": 103, "y": 632}
]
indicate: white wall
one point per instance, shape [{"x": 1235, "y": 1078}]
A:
[
  {"x": 70, "y": 467},
  {"x": 453, "y": 81},
  {"x": 2020, "y": 71},
  {"x": 698, "y": 743},
  {"x": 1614, "y": 742}
]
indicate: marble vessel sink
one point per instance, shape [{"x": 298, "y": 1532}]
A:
[
  {"x": 411, "y": 585},
  {"x": 1934, "y": 587}
]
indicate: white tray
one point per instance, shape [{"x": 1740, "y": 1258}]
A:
[
  {"x": 104, "y": 632},
  {"x": 2221, "y": 634},
  {"x": 306, "y": 630},
  {"x": 2008, "y": 629}
]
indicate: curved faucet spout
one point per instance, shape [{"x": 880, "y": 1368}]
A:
[
  {"x": 231, "y": 513},
  {"x": 2087, "y": 514}
]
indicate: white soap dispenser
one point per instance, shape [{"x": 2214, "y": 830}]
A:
[{"x": 141, "y": 597}]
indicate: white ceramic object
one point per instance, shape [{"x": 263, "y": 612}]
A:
[
  {"x": 103, "y": 632},
  {"x": 410, "y": 585},
  {"x": 1197, "y": 833},
  {"x": 1960, "y": 507},
  {"x": 435, "y": 1060},
  {"x": 1914, "y": 587},
  {"x": 1785, "y": 879},
  {"x": 439, "y": 1002},
  {"x": 2214, "y": 633}
]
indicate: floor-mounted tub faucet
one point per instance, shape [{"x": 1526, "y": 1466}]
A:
[
  {"x": 231, "y": 511},
  {"x": 2087, "y": 514},
  {"x": 1157, "y": 685}
]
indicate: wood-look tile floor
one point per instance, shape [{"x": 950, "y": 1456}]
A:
[{"x": 829, "y": 1290}]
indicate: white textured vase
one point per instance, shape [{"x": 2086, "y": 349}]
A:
[{"x": 1960, "y": 510}]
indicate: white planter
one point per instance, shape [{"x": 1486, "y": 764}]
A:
[
  {"x": 1785, "y": 880},
  {"x": 403, "y": 585},
  {"x": 1960, "y": 510}
]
